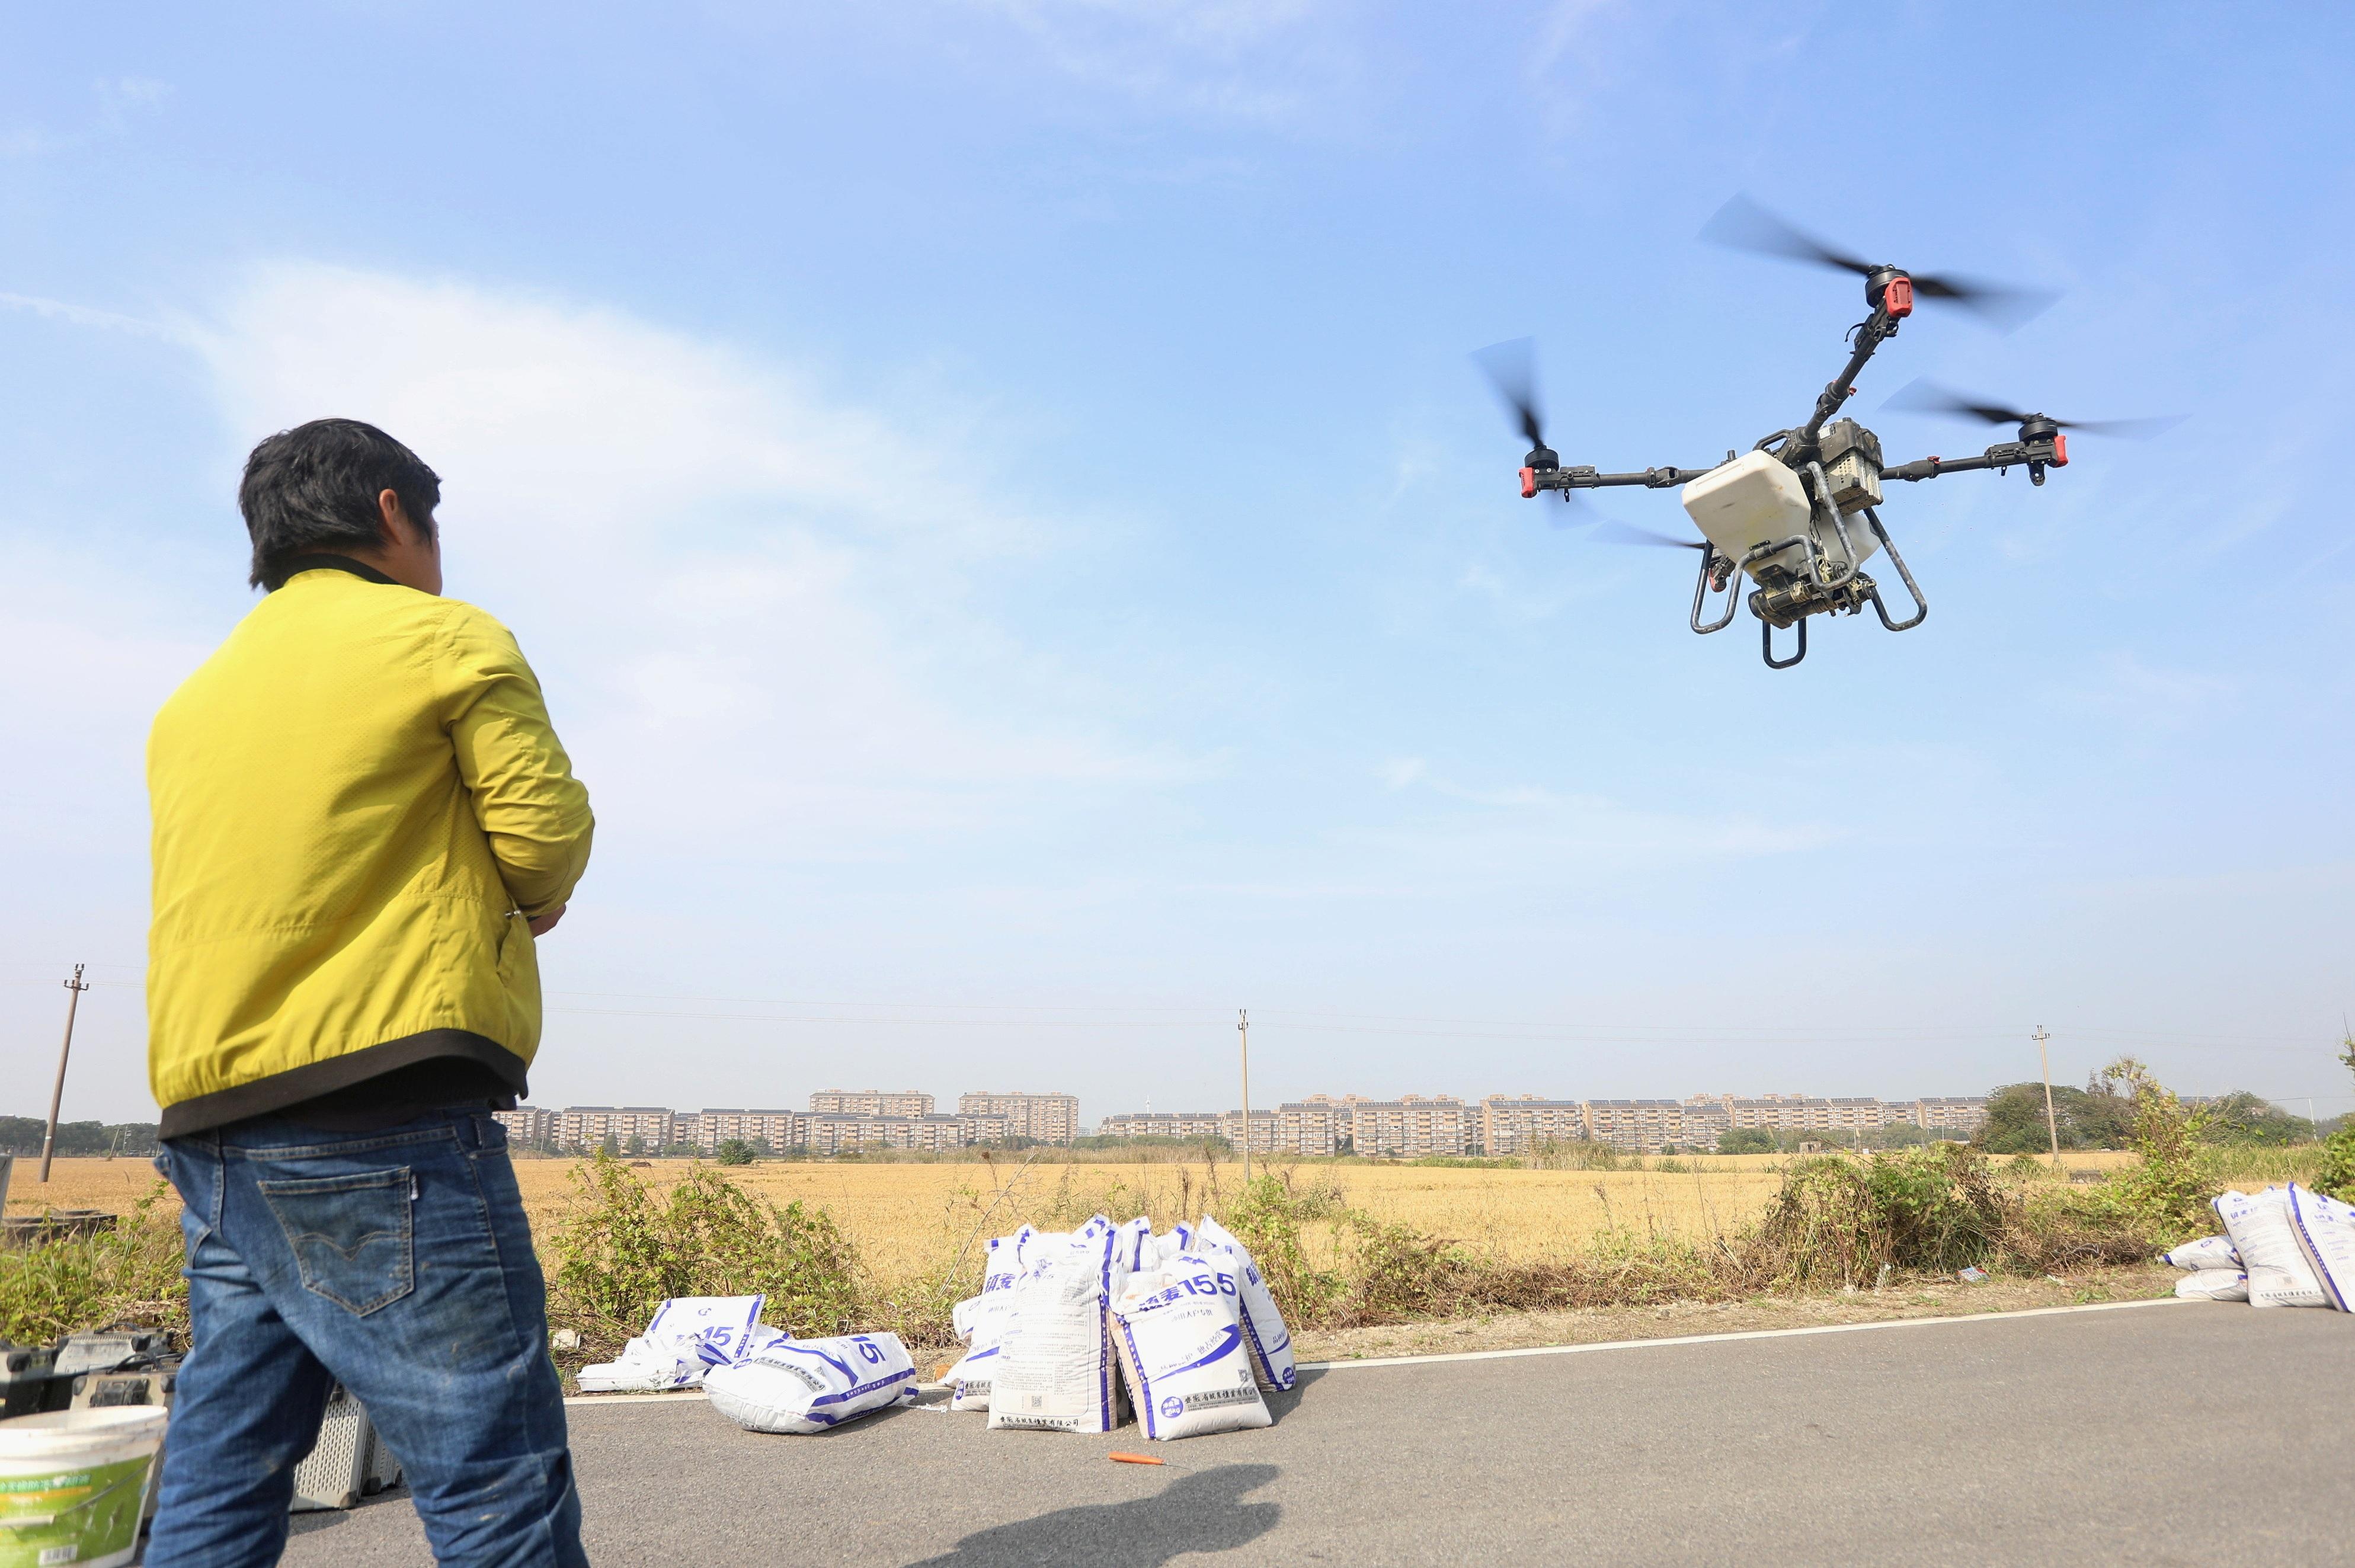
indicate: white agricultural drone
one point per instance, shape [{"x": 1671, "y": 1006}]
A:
[{"x": 1796, "y": 511}]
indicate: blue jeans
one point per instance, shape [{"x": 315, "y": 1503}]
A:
[{"x": 399, "y": 1264}]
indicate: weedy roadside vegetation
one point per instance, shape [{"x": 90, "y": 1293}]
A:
[
  {"x": 623, "y": 1248},
  {"x": 128, "y": 1275},
  {"x": 624, "y": 1241}
]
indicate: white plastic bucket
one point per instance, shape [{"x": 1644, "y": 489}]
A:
[{"x": 73, "y": 1484}]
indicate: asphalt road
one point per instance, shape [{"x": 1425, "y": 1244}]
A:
[{"x": 2180, "y": 1434}]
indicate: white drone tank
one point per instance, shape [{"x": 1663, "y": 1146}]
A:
[
  {"x": 1745, "y": 503},
  {"x": 1755, "y": 498}
]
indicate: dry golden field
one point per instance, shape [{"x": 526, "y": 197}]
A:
[{"x": 910, "y": 1219}]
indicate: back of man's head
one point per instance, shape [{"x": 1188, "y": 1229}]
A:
[{"x": 314, "y": 489}]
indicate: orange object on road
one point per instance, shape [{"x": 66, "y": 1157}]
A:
[{"x": 1134, "y": 1459}]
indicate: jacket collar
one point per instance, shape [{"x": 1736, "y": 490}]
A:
[{"x": 294, "y": 564}]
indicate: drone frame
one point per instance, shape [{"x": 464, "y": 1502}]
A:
[{"x": 1819, "y": 589}]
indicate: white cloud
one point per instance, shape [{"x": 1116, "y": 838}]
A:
[
  {"x": 1503, "y": 832},
  {"x": 1249, "y": 59},
  {"x": 2144, "y": 696},
  {"x": 757, "y": 609}
]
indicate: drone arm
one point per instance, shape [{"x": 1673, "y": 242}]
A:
[
  {"x": 2051, "y": 451},
  {"x": 1588, "y": 479},
  {"x": 1877, "y": 329}
]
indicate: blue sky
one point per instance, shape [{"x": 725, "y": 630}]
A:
[{"x": 999, "y": 498}]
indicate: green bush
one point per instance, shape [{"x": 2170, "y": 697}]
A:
[
  {"x": 622, "y": 1249},
  {"x": 130, "y": 1273},
  {"x": 2336, "y": 1176},
  {"x": 734, "y": 1151},
  {"x": 1838, "y": 1221}
]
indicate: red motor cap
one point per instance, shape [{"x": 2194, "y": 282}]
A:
[
  {"x": 2060, "y": 450},
  {"x": 1898, "y": 298},
  {"x": 1529, "y": 483}
]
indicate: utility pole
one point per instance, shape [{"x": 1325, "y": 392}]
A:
[
  {"x": 2051, "y": 1125},
  {"x": 1242, "y": 1028},
  {"x": 58, "y": 1094}
]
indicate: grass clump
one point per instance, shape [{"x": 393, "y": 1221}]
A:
[
  {"x": 130, "y": 1273},
  {"x": 1838, "y": 1221},
  {"x": 623, "y": 1249}
]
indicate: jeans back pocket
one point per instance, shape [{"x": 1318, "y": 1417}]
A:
[{"x": 351, "y": 1235}]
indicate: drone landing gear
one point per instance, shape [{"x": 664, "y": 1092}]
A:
[
  {"x": 1766, "y": 644},
  {"x": 1921, "y": 605},
  {"x": 1716, "y": 574}
]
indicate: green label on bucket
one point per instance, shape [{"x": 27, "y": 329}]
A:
[{"x": 71, "y": 1515}]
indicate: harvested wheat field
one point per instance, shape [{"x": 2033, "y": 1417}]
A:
[{"x": 910, "y": 1219}]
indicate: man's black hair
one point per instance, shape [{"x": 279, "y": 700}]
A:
[{"x": 313, "y": 489}]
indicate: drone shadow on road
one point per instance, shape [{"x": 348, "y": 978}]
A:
[{"x": 1204, "y": 1511}]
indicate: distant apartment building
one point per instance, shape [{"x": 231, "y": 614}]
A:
[
  {"x": 1518, "y": 1124},
  {"x": 1410, "y": 1126},
  {"x": 978, "y": 1127},
  {"x": 527, "y": 1124},
  {"x": 1041, "y": 1118},
  {"x": 1189, "y": 1127},
  {"x": 827, "y": 1132},
  {"x": 1262, "y": 1131},
  {"x": 1954, "y": 1116},
  {"x": 1311, "y": 1127},
  {"x": 1644, "y": 1125},
  {"x": 871, "y": 1103},
  {"x": 775, "y": 1130},
  {"x": 1705, "y": 1118},
  {"x": 588, "y": 1126}
]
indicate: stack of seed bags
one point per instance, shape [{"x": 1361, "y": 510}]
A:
[
  {"x": 1072, "y": 1325},
  {"x": 2286, "y": 1246}
]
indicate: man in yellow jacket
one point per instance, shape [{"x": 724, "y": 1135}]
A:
[{"x": 362, "y": 823}]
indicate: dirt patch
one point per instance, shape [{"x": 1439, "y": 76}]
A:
[{"x": 1902, "y": 1298}]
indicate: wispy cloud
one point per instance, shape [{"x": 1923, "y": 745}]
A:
[
  {"x": 2123, "y": 687},
  {"x": 763, "y": 619},
  {"x": 1505, "y": 831},
  {"x": 1260, "y": 60}
]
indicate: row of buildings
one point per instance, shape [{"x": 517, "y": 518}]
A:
[
  {"x": 1416, "y": 1124},
  {"x": 838, "y": 1121},
  {"x": 841, "y": 1120}
]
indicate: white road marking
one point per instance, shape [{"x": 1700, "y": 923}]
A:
[{"x": 1722, "y": 1338}]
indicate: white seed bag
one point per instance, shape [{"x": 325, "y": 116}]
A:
[
  {"x": 2213, "y": 1285},
  {"x": 1179, "y": 1334},
  {"x": 2325, "y": 1229},
  {"x": 808, "y": 1385},
  {"x": 1180, "y": 1238},
  {"x": 1055, "y": 1368},
  {"x": 1133, "y": 1244},
  {"x": 1263, "y": 1330},
  {"x": 2207, "y": 1253},
  {"x": 688, "y": 1334},
  {"x": 2260, "y": 1226},
  {"x": 980, "y": 1321}
]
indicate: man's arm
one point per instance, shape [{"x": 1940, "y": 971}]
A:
[{"x": 532, "y": 808}]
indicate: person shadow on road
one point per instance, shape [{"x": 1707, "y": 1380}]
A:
[{"x": 1200, "y": 1512}]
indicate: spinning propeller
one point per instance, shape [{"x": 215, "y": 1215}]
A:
[
  {"x": 1511, "y": 369},
  {"x": 1925, "y": 396},
  {"x": 1742, "y": 225}
]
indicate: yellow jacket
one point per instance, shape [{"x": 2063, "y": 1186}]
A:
[{"x": 359, "y": 800}]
